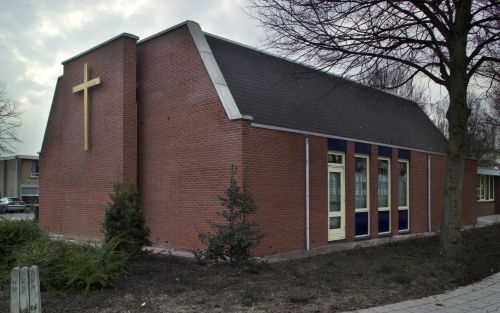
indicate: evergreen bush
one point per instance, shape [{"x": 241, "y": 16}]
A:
[
  {"x": 94, "y": 268},
  {"x": 14, "y": 234},
  {"x": 233, "y": 239},
  {"x": 51, "y": 257},
  {"x": 124, "y": 220}
]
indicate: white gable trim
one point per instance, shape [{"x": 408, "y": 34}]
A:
[{"x": 215, "y": 73}]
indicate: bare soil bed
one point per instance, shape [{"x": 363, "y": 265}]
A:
[{"x": 336, "y": 282}]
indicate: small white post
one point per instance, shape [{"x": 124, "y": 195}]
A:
[
  {"x": 14, "y": 290},
  {"x": 34, "y": 289},
  {"x": 24, "y": 292}
]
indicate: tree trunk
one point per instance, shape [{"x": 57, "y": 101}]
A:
[{"x": 457, "y": 115}]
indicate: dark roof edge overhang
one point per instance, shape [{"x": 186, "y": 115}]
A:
[
  {"x": 101, "y": 45},
  {"x": 308, "y": 133}
]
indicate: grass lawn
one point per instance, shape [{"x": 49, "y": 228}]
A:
[{"x": 328, "y": 283}]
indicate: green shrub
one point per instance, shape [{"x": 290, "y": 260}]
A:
[
  {"x": 95, "y": 267},
  {"x": 51, "y": 257},
  {"x": 124, "y": 219},
  {"x": 14, "y": 234},
  {"x": 233, "y": 239}
]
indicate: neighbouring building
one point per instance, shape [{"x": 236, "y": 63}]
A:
[
  {"x": 327, "y": 159},
  {"x": 19, "y": 176}
]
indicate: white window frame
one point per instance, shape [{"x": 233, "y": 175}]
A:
[
  {"x": 367, "y": 209},
  {"x": 32, "y": 174},
  {"x": 388, "y": 208},
  {"x": 339, "y": 234},
  {"x": 407, "y": 207},
  {"x": 489, "y": 194}
]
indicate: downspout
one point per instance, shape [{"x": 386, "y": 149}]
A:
[
  {"x": 429, "y": 195},
  {"x": 307, "y": 193}
]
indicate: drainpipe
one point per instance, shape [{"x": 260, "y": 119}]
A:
[
  {"x": 429, "y": 195},
  {"x": 307, "y": 192}
]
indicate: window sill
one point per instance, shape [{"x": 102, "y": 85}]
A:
[
  {"x": 360, "y": 237},
  {"x": 485, "y": 201},
  {"x": 404, "y": 231},
  {"x": 384, "y": 234},
  {"x": 361, "y": 210}
]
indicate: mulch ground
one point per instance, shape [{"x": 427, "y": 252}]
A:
[{"x": 336, "y": 282}]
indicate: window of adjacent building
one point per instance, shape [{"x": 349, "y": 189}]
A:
[
  {"x": 485, "y": 187},
  {"x": 403, "y": 195},
  {"x": 361, "y": 195},
  {"x": 29, "y": 191},
  {"x": 384, "y": 192},
  {"x": 35, "y": 170}
]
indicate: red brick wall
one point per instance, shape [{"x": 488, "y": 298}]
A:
[
  {"x": 418, "y": 192},
  {"x": 75, "y": 184},
  {"x": 486, "y": 208},
  {"x": 469, "y": 200},
  {"x": 187, "y": 144},
  {"x": 276, "y": 166},
  {"x": 318, "y": 179}
]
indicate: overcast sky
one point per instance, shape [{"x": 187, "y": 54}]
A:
[{"x": 37, "y": 35}]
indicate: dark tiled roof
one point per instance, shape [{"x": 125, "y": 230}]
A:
[{"x": 282, "y": 93}]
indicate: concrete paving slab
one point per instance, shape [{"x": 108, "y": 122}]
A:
[{"x": 480, "y": 297}]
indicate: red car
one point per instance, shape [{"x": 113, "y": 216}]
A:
[{"x": 10, "y": 204}]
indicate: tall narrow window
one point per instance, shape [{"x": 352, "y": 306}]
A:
[
  {"x": 403, "y": 207},
  {"x": 35, "y": 170},
  {"x": 384, "y": 212},
  {"x": 361, "y": 195}
]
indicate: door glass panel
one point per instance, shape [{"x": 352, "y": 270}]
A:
[
  {"x": 335, "y": 222},
  {"x": 334, "y": 192}
]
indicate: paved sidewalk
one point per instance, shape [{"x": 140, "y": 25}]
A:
[{"x": 481, "y": 297}]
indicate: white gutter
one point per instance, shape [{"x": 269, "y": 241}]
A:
[
  {"x": 307, "y": 192},
  {"x": 429, "y": 195}
]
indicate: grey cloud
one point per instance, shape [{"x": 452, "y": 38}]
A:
[{"x": 36, "y": 36}]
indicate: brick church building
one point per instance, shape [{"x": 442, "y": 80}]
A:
[{"x": 327, "y": 159}]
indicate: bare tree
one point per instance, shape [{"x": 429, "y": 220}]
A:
[
  {"x": 383, "y": 77},
  {"x": 10, "y": 120},
  {"x": 452, "y": 42},
  {"x": 482, "y": 121},
  {"x": 481, "y": 133},
  {"x": 495, "y": 107}
]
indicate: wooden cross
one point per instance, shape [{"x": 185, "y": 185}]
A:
[{"x": 85, "y": 87}]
